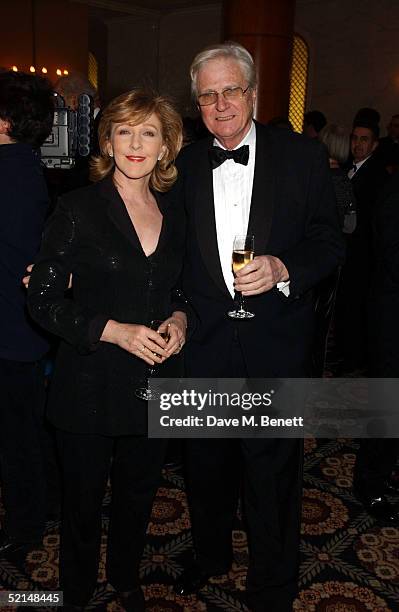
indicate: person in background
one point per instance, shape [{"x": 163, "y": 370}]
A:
[
  {"x": 367, "y": 177},
  {"x": 336, "y": 141},
  {"x": 313, "y": 122},
  {"x": 281, "y": 122},
  {"x": 376, "y": 458},
  {"x": 26, "y": 118},
  {"x": 367, "y": 116},
  {"x": 124, "y": 242},
  {"x": 388, "y": 147}
]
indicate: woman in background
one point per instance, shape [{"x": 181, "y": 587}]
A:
[
  {"x": 336, "y": 140},
  {"x": 122, "y": 241}
]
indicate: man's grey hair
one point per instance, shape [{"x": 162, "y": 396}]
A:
[{"x": 226, "y": 50}]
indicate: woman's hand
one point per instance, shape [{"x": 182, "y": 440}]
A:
[
  {"x": 138, "y": 340},
  {"x": 177, "y": 326}
]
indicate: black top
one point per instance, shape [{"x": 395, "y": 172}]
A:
[
  {"x": 24, "y": 204},
  {"x": 91, "y": 236},
  {"x": 344, "y": 195}
]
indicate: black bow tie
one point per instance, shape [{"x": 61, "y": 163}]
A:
[{"x": 218, "y": 155}]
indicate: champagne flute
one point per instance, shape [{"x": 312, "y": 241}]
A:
[
  {"x": 243, "y": 253},
  {"x": 142, "y": 391}
]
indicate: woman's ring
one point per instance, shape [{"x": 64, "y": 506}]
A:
[{"x": 142, "y": 349}]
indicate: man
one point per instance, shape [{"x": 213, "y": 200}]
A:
[
  {"x": 367, "y": 177},
  {"x": 313, "y": 123},
  {"x": 278, "y": 189},
  {"x": 388, "y": 147},
  {"x": 26, "y": 117},
  {"x": 376, "y": 458}
]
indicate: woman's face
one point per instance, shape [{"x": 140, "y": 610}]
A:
[{"x": 136, "y": 148}]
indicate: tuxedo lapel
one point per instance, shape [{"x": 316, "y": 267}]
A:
[
  {"x": 263, "y": 192},
  {"x": 205, "y": 218}
]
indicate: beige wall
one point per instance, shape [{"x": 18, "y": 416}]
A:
[
  {"x": 354, "y": 50},
  {"x": 157, "y": 50},
  {"x": 354, "y": 47},
  {"x": 182, "y": 35}
]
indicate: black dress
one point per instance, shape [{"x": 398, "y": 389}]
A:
[{"x": 92, "y": 401}]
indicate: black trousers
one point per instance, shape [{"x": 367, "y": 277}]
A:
[
  {"x": 23, "y": 449},
  {"x": 271, "y": 471},
  {"x": 135, "y": 475}
]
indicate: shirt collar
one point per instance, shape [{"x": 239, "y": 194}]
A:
[
  {"x": 360, "y": 163},
  {"x": 248, "y": 139}
]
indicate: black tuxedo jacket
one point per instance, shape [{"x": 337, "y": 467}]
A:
[
  {"x": 367, "y": 184},
  {"x": 384, "y": 294},
  {"x": 91, "y": 235},
  {"x": 24, "y": 205},
  {"x": 293, "y": 216}
]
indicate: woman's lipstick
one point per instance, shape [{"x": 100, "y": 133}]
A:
[{"x": 135, "y": 158}]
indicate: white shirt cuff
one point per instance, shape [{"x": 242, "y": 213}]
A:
[{"x": 284, "y": 287}]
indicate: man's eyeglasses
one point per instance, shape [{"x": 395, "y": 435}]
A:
[{"x": 230, "y": 93}]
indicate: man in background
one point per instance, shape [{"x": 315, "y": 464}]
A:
[
  {"x": 367, "y": 178},
  {"x": 388, "y": 146},
  {"x": 26, "y": 118}
]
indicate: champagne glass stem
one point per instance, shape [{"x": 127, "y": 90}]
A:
[{"x": 240, "y": 301}]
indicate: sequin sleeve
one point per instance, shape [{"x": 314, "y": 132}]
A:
[{"x": 49, "y": 302}]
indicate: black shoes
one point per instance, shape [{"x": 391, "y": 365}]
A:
[
  {"x": 380, "y": 508},
  {"x": 392, "y": 484},
  {"x": 132, "y": 601},
  {"x": 191, "y": 581},
  {"x": 9, "y": 546}
]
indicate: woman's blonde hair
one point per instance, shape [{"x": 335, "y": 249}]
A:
[
  {"x": 135, "y": 107},
  {"x": 336, "y": 139}
]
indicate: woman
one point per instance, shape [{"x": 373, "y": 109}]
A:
[
  {"x": 123, "y": 244},
  {"x": 336, "y": 140}
]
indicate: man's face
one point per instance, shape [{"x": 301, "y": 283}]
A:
[
  {"x": 229, "y": 120},
  {"x": 363, "y": 143},
  {"x": 393, "y": 128}
]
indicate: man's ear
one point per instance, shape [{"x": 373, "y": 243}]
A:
[{"x": 375, "y": 145}]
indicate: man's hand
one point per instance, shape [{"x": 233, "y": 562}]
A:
[{"x": 260, "y": 275}]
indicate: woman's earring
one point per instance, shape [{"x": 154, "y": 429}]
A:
[{"x": 111, "y": 154}]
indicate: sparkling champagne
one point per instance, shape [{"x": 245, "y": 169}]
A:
[{"x": 241, "y": 258}]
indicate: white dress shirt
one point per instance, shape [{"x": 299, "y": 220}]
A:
[{"x": 232, "y": 194}]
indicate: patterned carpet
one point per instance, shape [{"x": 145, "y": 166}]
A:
[{"x": 349, "y": 563}]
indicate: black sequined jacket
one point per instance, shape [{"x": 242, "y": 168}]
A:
[{"x": 91, "y": 236}]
